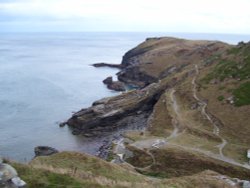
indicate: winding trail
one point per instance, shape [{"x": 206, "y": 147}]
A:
[
  {"x": 120, "y": 148},
  {"x": 216, "y": 129}
]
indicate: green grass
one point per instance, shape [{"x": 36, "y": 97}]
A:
[
  {"x": 221, "y": 98},
  {"x": 243, "y": 50},
  {"x": 229, "y": 69},
  {"x": 88, "y": 164},
  {"x": 234, "y": 51},
  {"x": 212, "y": 59},
  {"x": 236, "y": 66},
  {"x": 242, "y": 94},
  {"x": 38, "y": 178},
  {"x": 226, "y": 69},
  {"x": 155, "y": 174}
]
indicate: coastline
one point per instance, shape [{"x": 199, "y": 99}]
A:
[
  {"x": 167, "y": 130},
  {"x": 76, "y": 96},
  {"x": 114, "y": 113}
]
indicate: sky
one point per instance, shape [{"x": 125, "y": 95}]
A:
[{"x": 210, "y": 16}]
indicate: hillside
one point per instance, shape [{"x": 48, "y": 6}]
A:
[
  {"x": 193, "y": 102},
  {"x": 187, "y": 124},
  {"x": 69, "y": 169}
]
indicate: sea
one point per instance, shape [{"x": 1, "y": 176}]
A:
[{"x": 45, "y": 77}]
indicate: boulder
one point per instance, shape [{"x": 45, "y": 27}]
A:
[
  {"x": 7, "y": 172},
  {"x": 62, "y": 124},
  {"x": 44, "y": 151},
  {"x": 9, "y": 177},
  {"x": 18, "y": 182},
  {"x": 230, "y": 100},
  {"x": 117, "y": 86},
  {"x": 114, "y": 85},
  {"x": 108, "y": 80}
]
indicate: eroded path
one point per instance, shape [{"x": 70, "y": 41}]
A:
[
  {"x": 216, "y": 129},
  {"x": 176, "y": 119}
]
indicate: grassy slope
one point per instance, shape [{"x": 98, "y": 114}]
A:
[
  {"x": 74, "y": 170},
  {"x": 70, "y": 169},
  {"x": 41, "y": 178},
  {"x": 229, "y": 69}
]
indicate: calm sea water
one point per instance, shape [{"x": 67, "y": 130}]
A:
[{"x": 44, "y": 77}]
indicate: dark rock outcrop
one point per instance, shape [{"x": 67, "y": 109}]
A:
[
  {"x": 107, "y": 65},
  {"x": 110, "y": 112},
  {"x": 44, "y": 151},
  {"x": 108, "y": 80},
  {"x": 117, "y": 86},
  {"x": 62, "y": 124},
  {"x": 114, "y": 85},
  {"x": 134, "y": 76}
]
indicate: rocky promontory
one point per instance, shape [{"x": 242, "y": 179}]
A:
[
  {"x": 151, "y": 61},
  {"x": 117, "y": 111},
  {"x": 186, "y": 125},
  {"x": 157, "y": 58},
  {"x": 107, "y": 65},
  {"x": 185, "y": 131}
]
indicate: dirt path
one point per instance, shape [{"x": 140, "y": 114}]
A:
[
  {"x": 175, "y": 120},
  {"x": 216, "y": 129}
]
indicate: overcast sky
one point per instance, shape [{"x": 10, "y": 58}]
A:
[{"x": 210, "y": 16}]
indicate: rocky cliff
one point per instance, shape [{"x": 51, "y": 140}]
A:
[
  {"x": 157, "y": 58},
  {"x": 185, "y": 126},
  {"x": 188, "y": 93}
]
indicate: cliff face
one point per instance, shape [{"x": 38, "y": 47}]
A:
[
  {"x": 112, "y": 111},
  {"x": 156, "y": 58},
  {"x": 192, "y": 106}
]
